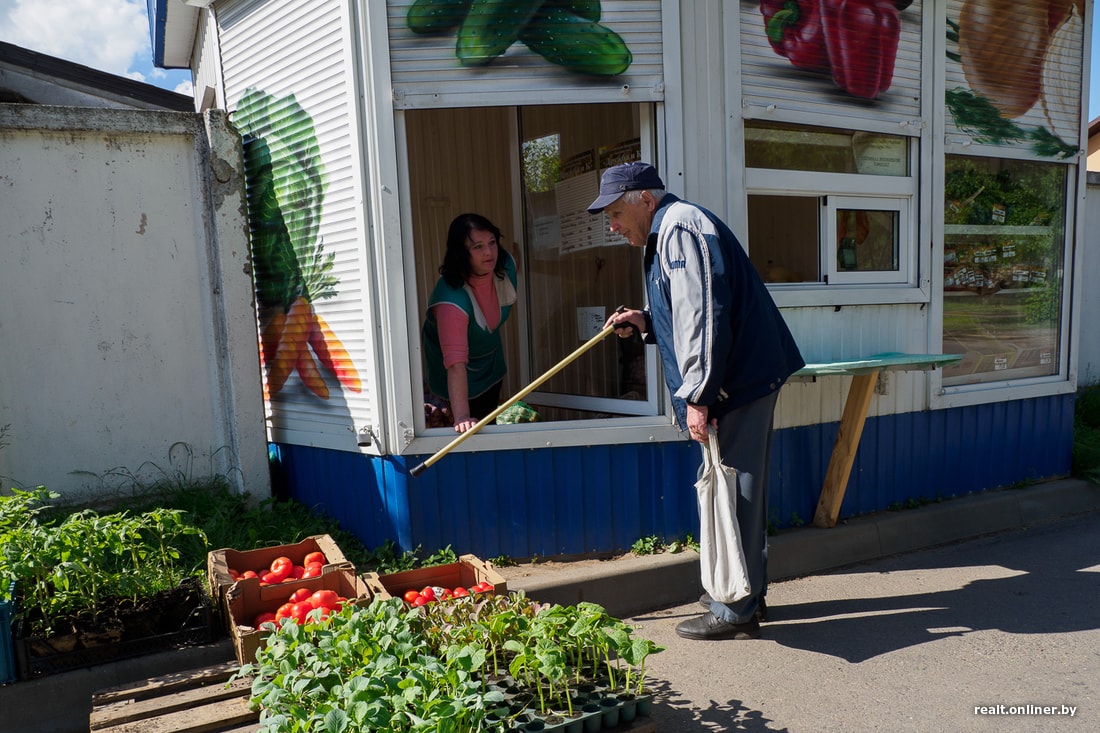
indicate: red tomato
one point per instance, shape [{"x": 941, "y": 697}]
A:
[
  {"x": 234, "y": 574},
  {"x": 302, "y": 594},
  {"x": 320, "y": 613},
  {"x": 284, "y": 611},
  {"x": 271, "y": 579},
  {"x": 460, "y": 592},
  {"x": 249, "y": 574},
  {"x": 265, "y": 618},
  {"x": 329, "y": 599},
  {"x": 315, "y": 557},
  {"x": 281, "y": 567},
  {"x": 299, "y": 611},
  {"x": 312, "y": 571},
  {"x": 420, "y": 601},
  {"x": 428, "y": 593},
  {"x": 297, "y": 572},
  {"x": 411, "y": 595}
]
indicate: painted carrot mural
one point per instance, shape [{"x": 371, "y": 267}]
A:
[{"x": 285, "y": 182}]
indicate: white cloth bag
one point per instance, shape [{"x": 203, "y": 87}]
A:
[{"x": 721, "y": 558}]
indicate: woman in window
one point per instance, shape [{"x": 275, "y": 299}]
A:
[{"x": 470, "y": 303}]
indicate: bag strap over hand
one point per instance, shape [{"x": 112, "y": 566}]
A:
[{"x": 713, "y": 454}]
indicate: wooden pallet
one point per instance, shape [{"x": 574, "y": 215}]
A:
[
  {"x": 195, "y": 701},
  {"x": 201, "y": 701}
]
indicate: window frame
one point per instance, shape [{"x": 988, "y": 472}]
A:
[
  {"x": 1064, "y": 379},
  {"x": 901, "y": 206},
  {"x": 414, "y": 438},
  {"x": 903, "y": 190}
]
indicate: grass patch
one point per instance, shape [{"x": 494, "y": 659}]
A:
[{"x": 1086, "y": 433}]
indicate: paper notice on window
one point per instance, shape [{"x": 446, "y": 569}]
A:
[
  {"x": 579, "y": 229},
  {"x": 880, "y": 155},
  {"x": 590, "y": 320}
]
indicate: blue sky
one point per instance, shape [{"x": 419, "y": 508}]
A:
[{"x": 114, "y": 37}]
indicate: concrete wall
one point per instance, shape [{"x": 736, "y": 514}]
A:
[{"x": 128, "y": 344}]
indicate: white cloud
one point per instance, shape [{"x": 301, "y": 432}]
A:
[{"x": 109, "y": 35}]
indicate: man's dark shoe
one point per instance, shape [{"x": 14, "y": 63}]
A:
[
  {"x": 708, "y": 627},
  {"x": 761, "y": 608}
]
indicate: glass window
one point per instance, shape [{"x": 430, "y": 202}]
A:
[
  {"x": 1004, "y": 239},
  {"x": 834, "y": 240},
  {"x": 830, "y": 207},
  {"x": 797, "y": 148},
  {"x": 577, "y": 272},
  {"x": 533, "y": 171},
  {"x": 865, "y": 238}
]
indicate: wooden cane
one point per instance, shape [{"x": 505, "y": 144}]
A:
[{"x": 516, "y": 398}]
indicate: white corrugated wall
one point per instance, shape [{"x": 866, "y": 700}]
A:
[{"x": 286, "y": 47}]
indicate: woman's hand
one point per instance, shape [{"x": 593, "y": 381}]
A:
[{"x": 464, "y": 423}]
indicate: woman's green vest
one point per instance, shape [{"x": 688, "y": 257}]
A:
[{"x": 486, "y": 365}]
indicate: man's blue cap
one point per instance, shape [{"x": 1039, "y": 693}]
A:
[{"x": 619, "y": 179}]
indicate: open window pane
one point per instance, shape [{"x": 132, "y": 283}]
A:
[
  {"x": 577, "y": 271},
  {"x": 785, "y": 238},
  {"x": 533, "y": 171},
  {"x": 1003, "y": 266}
]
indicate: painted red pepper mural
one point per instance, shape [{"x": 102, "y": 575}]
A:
[
  {"x": 854, "y": 40},
  {"x": 794, "y": 31}
]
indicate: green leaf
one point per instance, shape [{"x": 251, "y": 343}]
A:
[{"x": 285, "y": 181}]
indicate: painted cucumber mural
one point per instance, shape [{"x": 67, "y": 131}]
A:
[
  {"x": 286, "y": 190},
  {"x": 564, "y": 33}
]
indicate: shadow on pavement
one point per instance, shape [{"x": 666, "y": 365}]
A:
[
  {"x": 674, "y": 714},
  {"x": 1043, "y": 593}
]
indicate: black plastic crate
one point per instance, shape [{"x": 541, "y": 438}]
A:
[{"x": 199, "y": 627}]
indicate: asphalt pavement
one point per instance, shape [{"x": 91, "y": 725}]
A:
[{"x": 998, "y": 633}]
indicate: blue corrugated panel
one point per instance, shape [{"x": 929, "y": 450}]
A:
[
  {"x": 366, "y": 494},
  {"x": 948, "y": 453},
  {"x": 600, "y": 499},
  {"x": 555, "y": 502}
]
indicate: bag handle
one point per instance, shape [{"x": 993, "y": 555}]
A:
[{"x": 714, "y": 455}]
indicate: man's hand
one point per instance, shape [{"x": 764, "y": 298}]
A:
[
  {"x": 626, "y": 322},
  {"x": 697, "y": 422}
]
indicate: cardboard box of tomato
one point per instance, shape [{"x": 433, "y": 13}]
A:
[
  {"x": 221, "y": 564},
  {"x": 466, "y": 573},
  {"x": 244, "y": 602}
]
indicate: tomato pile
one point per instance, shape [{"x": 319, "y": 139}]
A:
[
  {"x": 283, "y": 569},
  {"x": 302, "y": 606},
  {"x": 429, "y": 593}
]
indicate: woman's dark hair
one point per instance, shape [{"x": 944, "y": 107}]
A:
[{"x": 456, "y": 260}]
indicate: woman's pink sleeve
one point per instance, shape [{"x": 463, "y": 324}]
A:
[{"x": 453, "y": 323}]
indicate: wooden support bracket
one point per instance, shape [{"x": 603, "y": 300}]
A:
[{"x": 844, "y": 450}]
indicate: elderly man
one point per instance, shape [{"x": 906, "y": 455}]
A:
[{"x": 726, "y": 352}]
